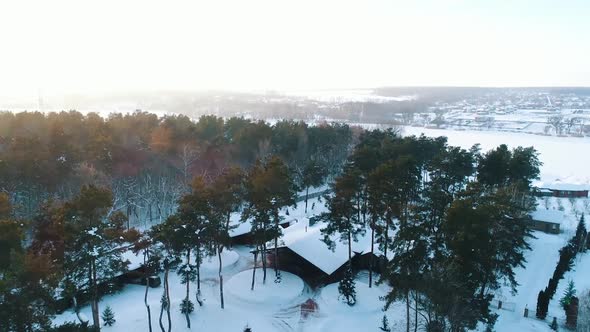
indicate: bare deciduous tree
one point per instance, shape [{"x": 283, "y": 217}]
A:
[{"x": 556, "y": 121}]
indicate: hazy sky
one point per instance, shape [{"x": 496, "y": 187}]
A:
[{"x": 79, "y": 46}]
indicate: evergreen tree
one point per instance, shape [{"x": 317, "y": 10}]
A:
[
  {"x": 91, "y": 244},
  {"x": 346, "y": 287},
  {"x": 542, "y": 304},
  {"x": 151, "y": 265},
  {"x": 385, "y": 324},
  {"x": 226, "y": 196},
  {"x": 313, "y": 175},
  {"x": 27, "y": 283},
  {"x": 343, "y": 219},
  {"x": 108, "y": 316},
  {"x": 193, "y": 213},
  {"x": 581, "y": 237},
  {"x": 269, "y": 188},
  {"x": 569, "y": 293},
  {"x": 166, "y": 234}
]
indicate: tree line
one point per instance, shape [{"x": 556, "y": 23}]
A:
[
  {"x": 447, "y": 225},
  {"x": 147, "y": 161},
  {"x": 75, "y": 249},
  {"x": 68, "y": 244}
]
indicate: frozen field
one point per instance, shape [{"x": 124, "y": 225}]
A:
[{"x": 562, "y": 157}]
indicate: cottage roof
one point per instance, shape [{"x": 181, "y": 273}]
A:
[
  {"x": 555, "y": 216},
  {"x": 307, "y": 243},
  {"x": 566, "y": 184}
]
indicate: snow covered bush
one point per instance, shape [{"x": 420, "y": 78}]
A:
[
  {"x": 187, "y": 306},
  {"x": 570, "y": 292}
]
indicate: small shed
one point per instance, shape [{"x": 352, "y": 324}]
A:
[{"x": 547, "y": 221}]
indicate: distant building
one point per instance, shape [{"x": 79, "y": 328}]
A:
[
  {"x": 569, "y": 193},
  {"x": 547, "y": 221},
  {"x": 562, "y": 189}
]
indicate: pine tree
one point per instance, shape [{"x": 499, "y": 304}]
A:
[
  {"x": 269, "y": 188},
  {"x": 385, "y": 324},
  {"x": 90, "y": 247},
  {"x": 570, "y": 292},
  {"x": 226, "y": 195},
  {"x": 108, "y": 316},
  {"x": 344, "y": 220},
  {"x": 579, "y": 240},
  {"x": 346, "y": 287},
  {"x": 542, "y": 304}
]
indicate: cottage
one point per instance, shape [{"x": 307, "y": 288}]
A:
[
  {"x": 547, "y": 221},
  {"x": 562, "y": 189},
  {"x": 302, "y": 252}
]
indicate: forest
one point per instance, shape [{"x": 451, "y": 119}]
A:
[{"x": 447, "y": 225}]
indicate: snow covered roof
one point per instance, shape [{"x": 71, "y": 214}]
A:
[
  {"x": 135, "y": 260},
  {"x": 555, "y": 216},
  {"x": 308, "y": 244},
  {"x": 564, "y": 184}
]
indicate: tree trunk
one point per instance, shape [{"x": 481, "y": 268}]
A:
[
  {"x": 199, "y": 278},
  {"x": 276, "y": 260},
  {"x": 219, "y": 249},
  {"x": 407, "y": 311},
  {"x": 145, "y": 297},
  {"x": 95, "y": 309},
  {"x": 227, "y": 220},
  {"x": 167, "y": 287},
  {"x": 306, "y": 197},
  {"x": 188, "y": 283},
  {"x": 263, "y": 256},
  {"x": 386, "y": 237},
  {"x": 415, "y": 311},
  {"x": 372, "y": 254},
  {"x": 77, "y": 310},
  {"x": 254, "y": 269},
  {"x": 161, "y": 315}
]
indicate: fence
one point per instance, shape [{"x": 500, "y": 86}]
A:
[{"x": 499, "y": 304}]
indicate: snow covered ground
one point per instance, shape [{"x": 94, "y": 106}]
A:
[
  {"x": 562, "y": 157},
  {"x": 265, "y": 310},
  {"x": 541, "y": 262}
]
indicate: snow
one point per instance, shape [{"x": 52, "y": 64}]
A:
[
  {"x": 365, "y": 315},
  {"x": 131, "y": 315},
  {"x": 92, "y": 231},
  {"x": 269, "y": 293},
  {"x": 298, "y": 211},
  {"x": 562, "y": 157},
  {"x": 135, "y": 260},
  {"x": 568, "y": 183},
  {"x": 555, "y": 216},
  {"x": 228, "y": 259},
  {"x": 274, "y": 307},
  {"x": 306, "y": 241}
]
